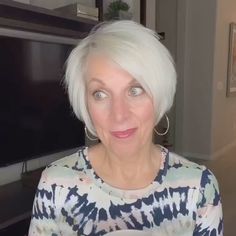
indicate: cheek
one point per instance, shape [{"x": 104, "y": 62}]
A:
[
  {"x": 97, "y": 114},
  {"x": 146, "y": 114},
  {"x": 147, "y": 122}
]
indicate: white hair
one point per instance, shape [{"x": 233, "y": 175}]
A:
[{"x": 137, "y": 50}]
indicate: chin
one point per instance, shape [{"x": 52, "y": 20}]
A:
[
  {"x": 126, "y": 143},
  {"x": 127, "y": 147}
]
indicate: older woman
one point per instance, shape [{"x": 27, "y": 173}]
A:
[{"x": 121, "y": 81}]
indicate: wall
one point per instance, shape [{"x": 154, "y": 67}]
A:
[
  {"x": 224, "y": 108},
  {"x": 189, "y": 27},
  {"x": 205, "y": 117},
  {"x": 198, "y": 76},
  {"x": 166, "y": 16},
  {"x": 151, "y": 14}
]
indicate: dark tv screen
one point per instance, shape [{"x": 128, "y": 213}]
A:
[{"x": 35, "y": 117}]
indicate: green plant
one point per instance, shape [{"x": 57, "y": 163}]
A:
[{"x": 114, "y": 8}]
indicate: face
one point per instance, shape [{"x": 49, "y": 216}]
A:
[{"x": 120, "y": 109}]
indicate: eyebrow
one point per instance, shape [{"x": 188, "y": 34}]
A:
[{"x": 94, "y": 80}]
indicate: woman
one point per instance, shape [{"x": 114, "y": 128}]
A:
[{"x": 121, "y": 81}]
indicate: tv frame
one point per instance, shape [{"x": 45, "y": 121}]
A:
[
  {"x": 48, "y": 38},
  {"x": 16, "y": 33}
]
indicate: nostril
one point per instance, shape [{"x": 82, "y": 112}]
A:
[{"x": 120, "y": 110}]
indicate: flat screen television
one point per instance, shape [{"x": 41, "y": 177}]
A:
[{"x": 35, "y": 116}]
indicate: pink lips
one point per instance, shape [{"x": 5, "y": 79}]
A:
[{"x": 124, "y": 134}]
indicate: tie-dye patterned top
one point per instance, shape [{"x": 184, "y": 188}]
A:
[{"x": 72, "y": 199}]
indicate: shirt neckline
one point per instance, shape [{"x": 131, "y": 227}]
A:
[{"x": 127, "y": 194}]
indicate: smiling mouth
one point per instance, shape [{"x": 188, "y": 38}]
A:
[{"x": 124, "y": 134}]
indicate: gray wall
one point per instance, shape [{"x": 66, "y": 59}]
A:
[
  {"x": 224, "y": 108},
  {"x": 166, "y": 16},
  {"x": 205, "y": 117},
  {"x": 166, "y": 21},
  {"x": 196, "y": 40}
]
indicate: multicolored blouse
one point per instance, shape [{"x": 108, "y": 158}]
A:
[{"x": 72, "y": 199}]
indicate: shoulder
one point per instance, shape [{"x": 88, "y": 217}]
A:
[
  {"x": 64, "y": 177},
  {"x": 73, "y": 161},
  {"x": 197, "y": 175},
  {"x": 179, "y": 168},
  {"x": 67, "y": 168},
  {"x": 178, "y": 162},
  {"x": 187, "y": 167}
]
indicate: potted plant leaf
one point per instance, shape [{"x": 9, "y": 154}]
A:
[{"x": 118, "y": 10}]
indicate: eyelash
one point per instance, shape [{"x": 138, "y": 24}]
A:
[
  {"x": 97, "y": 94},
  {"x": 140, "y": 92}
]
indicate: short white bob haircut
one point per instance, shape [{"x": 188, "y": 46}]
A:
[{"x": 133, "y": 47}]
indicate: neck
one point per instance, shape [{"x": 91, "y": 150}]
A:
[
  {"x": 133, "y": 170},
  {"x": 130, "y": 159}
]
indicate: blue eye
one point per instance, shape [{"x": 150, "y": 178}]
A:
[
  {"x": 99, "y": 95},
  {"x": 135, "y": 91}
]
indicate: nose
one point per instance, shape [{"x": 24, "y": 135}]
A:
[{"x": 120, "y": 109}]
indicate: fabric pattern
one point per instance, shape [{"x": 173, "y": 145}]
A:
[{"x": 71, "y": 200}]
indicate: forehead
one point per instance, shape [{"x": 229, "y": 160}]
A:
[{"x": 97, "y": 62}]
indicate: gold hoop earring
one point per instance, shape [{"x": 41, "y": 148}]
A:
[
  {"x": 167, "y": 128},
  {"x": 87, "y": 135}
]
